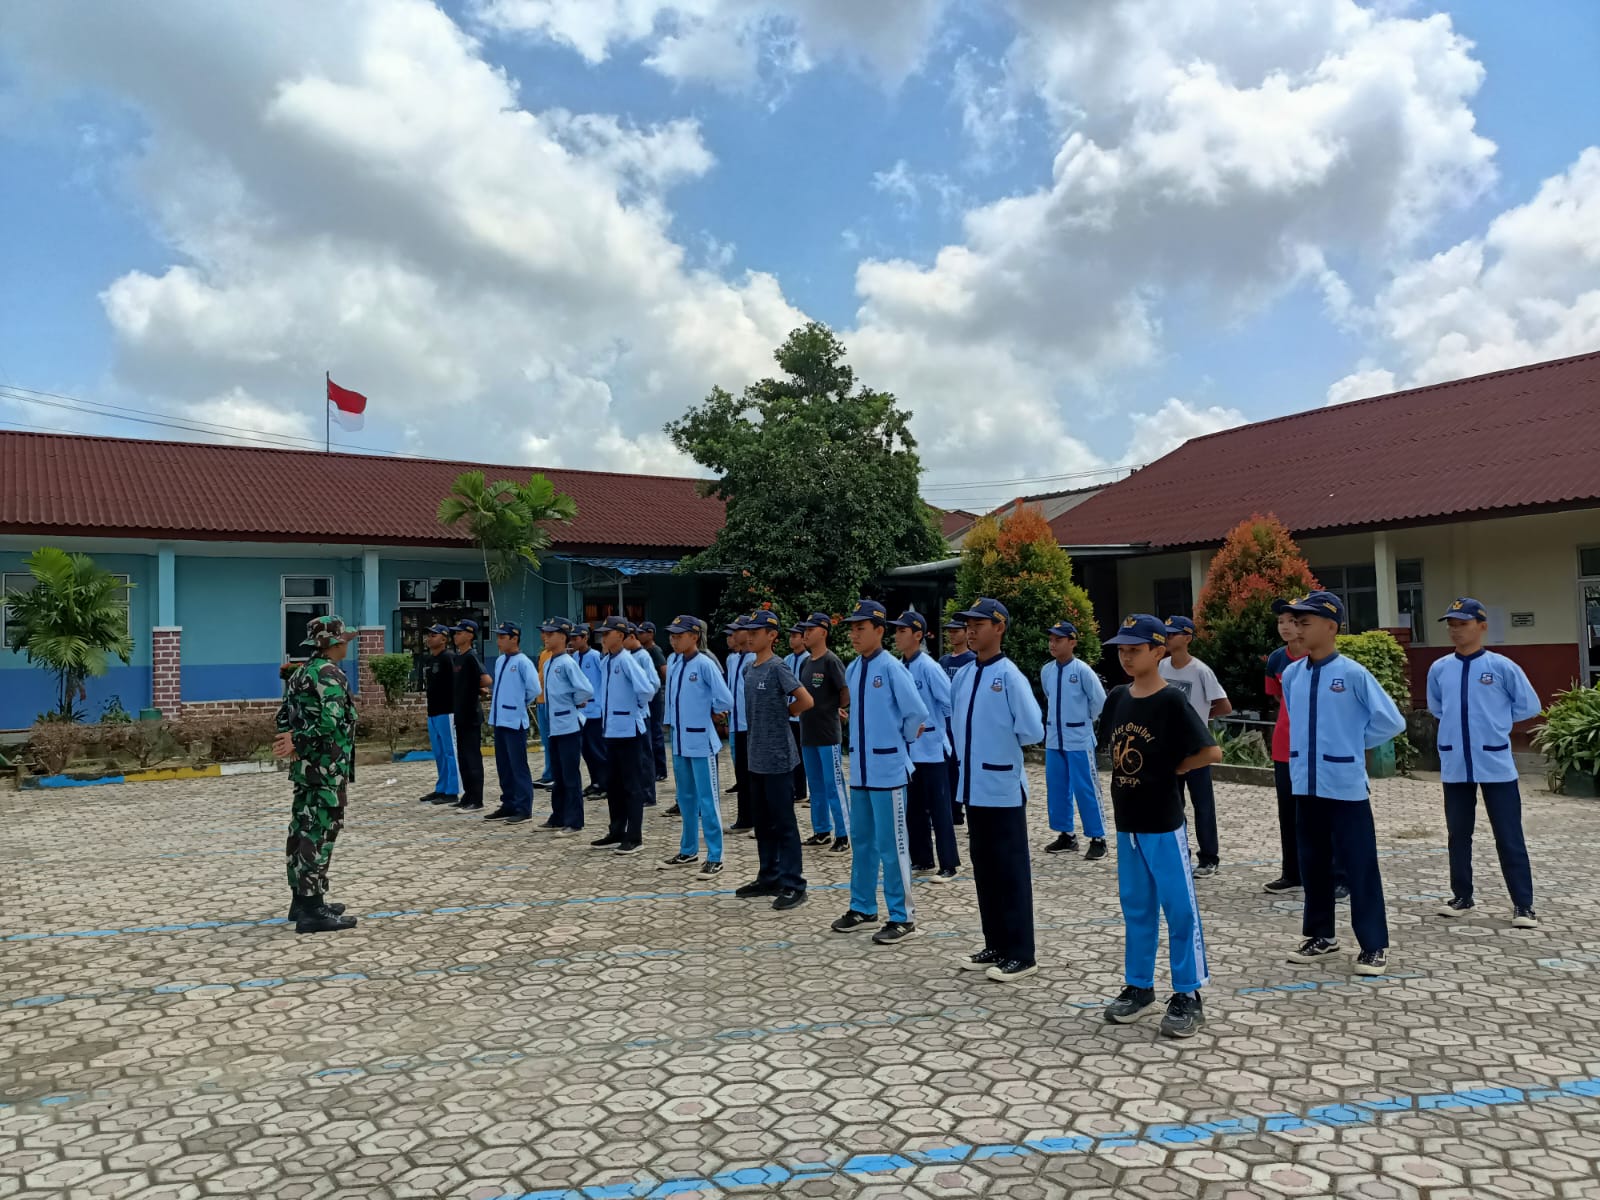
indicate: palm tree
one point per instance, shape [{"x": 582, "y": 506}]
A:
[
  {"x": 507, "y": 521},
  {"x": 73, "y": 618}
]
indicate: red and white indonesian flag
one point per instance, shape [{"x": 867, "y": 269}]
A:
[{"x": 346, "y": 407}]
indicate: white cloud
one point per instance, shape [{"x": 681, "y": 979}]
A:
[
  {"x": 1173, "y": 424},
  {"x": 1362, "y": 385},
  {"x": 1526, "y": 291},
  {"x": 730, "y": 43},
  {"x": 385, "y": 209}
]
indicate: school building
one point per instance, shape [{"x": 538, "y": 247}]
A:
[
  {"x": 1486, "y": 487},
  {"x": 229, "y": 550}
]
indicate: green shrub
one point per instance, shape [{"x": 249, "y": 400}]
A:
[
  {"x": 393, "y": 673},
  {"x": 1247, "y": 749},
  {"x": 1570, "y": 735},
  {"x": 1380, "y": 654}
]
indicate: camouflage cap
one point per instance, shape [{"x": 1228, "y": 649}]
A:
[{"x": 322, "y": 632}]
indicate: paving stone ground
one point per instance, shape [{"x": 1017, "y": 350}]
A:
[{"x": 519, "y": 1016}]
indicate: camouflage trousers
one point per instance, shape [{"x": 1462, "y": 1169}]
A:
[{"x": 314, "y": 824}]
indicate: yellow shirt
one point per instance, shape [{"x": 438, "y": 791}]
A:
[{"x": 544, "y": 657}]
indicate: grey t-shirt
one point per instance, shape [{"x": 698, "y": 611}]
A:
[{"x": 767, "y": 690}]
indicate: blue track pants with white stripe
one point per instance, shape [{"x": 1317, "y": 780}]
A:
[
  {"x": 878, "y": 845},
  {"x": 1154, "y": 877},
  {"x": 1070, "y": 775}
]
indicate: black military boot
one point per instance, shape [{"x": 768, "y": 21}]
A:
[
  {"x": 298, "y": 904},
  {"x": 317, "y": 917}
]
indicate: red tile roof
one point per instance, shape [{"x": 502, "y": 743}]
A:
[
  {"x": 128, "y": 487},
  {"x": 1517, "y": 440},
  {"x": 954, "y": 520}
]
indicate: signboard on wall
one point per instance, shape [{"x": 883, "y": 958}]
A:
[{"x": 1522, "y": 620}]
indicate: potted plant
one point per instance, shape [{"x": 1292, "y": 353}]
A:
[{"x": 1570, "y": 739}]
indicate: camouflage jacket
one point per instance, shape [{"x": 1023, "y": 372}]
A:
[{"x": 320, "y": 714}]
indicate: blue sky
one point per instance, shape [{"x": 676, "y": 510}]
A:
[{"x": 202, "y": 253}]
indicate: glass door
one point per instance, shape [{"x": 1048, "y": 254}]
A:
[{"x": 1589, "y": 642}]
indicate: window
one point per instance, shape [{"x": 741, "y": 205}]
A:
[
  {"x": 1174, "y": 598},
  {"x": 24, "y": 582},
  {"x": 1589, "y": 562},
  {"x": 303, "y": 598},
  {"x": 413, "y": 591},
  {"x": 444, "y": 593},
  {"x": 1408, "y": 582}
]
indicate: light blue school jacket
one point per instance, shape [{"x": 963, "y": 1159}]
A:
[
  {"x": 885, "y": 714},
  {"x": 1075, "y": 696},
  {"x": 994, "y": 717},
  {"x": 1337, "y": 712},
  {"x": 695, "y": 690},
  {"x": 933, "y": 686},
  {"x": 1477, "y": 699}
]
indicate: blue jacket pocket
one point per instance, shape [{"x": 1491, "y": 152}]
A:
[
  {"x": 565, "y": 712},
  {"x": 885, "y": 750},
  {"x": 1294, "y": 754},
  {"x": 694, "y": 730},
  {"x": 1446, "y": 749},
  {"x": 1496, "y": 749},
  {"x": 1076, "y": 724},
  {"x": 996, "y": 766},
  {"x": 1339, "y": 758}
]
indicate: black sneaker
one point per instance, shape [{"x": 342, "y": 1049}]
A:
[
  {"x": 981, "y": 961},
  {"x": 1341, "y": 891},
  {"x": 746, "y": 827},
  {"x": 1206, "y": 870},
  {"x": 1372, "y": 962},
  {"x": 894, "y": 931},
  {"x": 674, "y": 811},
  {"x": 711, "y": 868},
  {"x": 610, "y": 842},
  {"x": 428, "y": 799},
  {"x": 943, "y": 876},
  {"x": 1313, "y": 949},
  {"x": 925, "y": 869},
  {"x": 756, "y": 887},
  {"x": 590, "y": 792},
  {"x": 1524, "y": 918},
  {"x": 628, "y": 848},
  {"x": 661, "y": 778},
  {"x": 789, "y": 898},
  {"x": 1185, "y": 1014},
  {"x": 472, "y": 804},
  {"x": 853, "y": 920},
  {"x": 1009, "y": 970},
  {"x": 446, "y": 798},
  {"x": 733, "y": 791},
  {"x": 818, "y": 839},
  {"x": 1096, "y": 851},
  {"x": 1280, "y": 885},
  {"x": 1065, "y": 843},
  {"x": 518, "y": 819},
  {"x": 1131, "y": 1004},
  {"x": 840, "y": 846},
  {"x": 545, "y": 784},
  {"x": 678, "y": 860},
  {"x": 499, "y": 814},
  {"x": 958, "y": 817},
  {"x": 1457, "y": 906}
]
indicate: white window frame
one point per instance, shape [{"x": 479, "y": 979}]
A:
[{"x": 297, "y": 653}]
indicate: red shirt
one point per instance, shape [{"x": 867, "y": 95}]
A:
[{"x": 1277, "y": 663}]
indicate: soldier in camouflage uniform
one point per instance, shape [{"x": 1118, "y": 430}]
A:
[{"x": 317, "y": 729}]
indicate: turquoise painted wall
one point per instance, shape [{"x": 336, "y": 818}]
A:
[{"x": 28, "y": 691}]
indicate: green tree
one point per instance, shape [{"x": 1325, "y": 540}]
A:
[
  {"x": 71, "y": 621},
  {"x": 1236, "y": 630},
  {"x": 820, "y": 478},
  {"x": 1019, "y": 562},
  {"x": 508, "y": 521}
]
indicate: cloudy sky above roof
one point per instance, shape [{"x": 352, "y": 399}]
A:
[{"x": 1067, "y": 235}]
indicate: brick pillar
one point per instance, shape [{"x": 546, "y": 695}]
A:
[
  {"x": 166, "y": 669},
  {"x": 371, "y": 642}
]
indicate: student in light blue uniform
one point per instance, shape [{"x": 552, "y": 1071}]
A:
[
  {"x": 1073, "y": 696},
  {"x": 695, "y": 690},
  {"x": 1337, "y": 712},
  {"x": 956, "y": 656},
  {"x": 733, "y": 668},
  {"x": 886, "y": 715},
  {"x": 594, "y": 738},
  {"x": 994, "y": 717},
  {"x": 928, "y": 795},
  {"x": 1478, "y": 696},
  {"x": 647, "y": 775},
  {"x": 515, "y": 686},
  {"x": 567, "y": 693},
  {"x": 624, "y": 707}
]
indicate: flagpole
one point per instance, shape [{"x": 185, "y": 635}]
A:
[{"x": 327, "y": 414}]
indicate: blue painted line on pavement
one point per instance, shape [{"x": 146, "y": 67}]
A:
[{"x": 846, "y": 1166}]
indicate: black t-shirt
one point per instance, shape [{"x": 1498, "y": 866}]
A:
[
  {"x": 439, "y": 680},
  {"x": 468, "y": 674},
  {"x": 824, "y": 679},
  {"x": 1148, "y": 737}
]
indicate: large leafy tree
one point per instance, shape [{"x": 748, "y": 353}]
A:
[
  {"x": 509, "y": 522},
  {"x": 820, "y": 477},
  {"x": 1236, "y": 630},
  {"x": 1018, "y": 561},
  {"x": 71, "y": 621}
]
